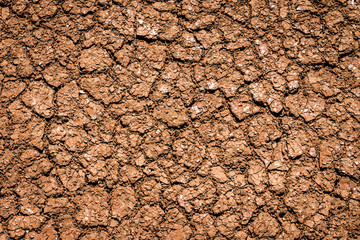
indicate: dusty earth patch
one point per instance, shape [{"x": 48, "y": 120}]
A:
[{"x": 213, "y": 119}]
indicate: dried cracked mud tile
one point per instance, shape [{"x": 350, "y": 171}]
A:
[
  {"x": 263, "y": 93},
  {"x": 50, "y": 186},
  {"x": 337, "y": 112},
  {"x": 243, "y": 110},
  {"x": 227, "y": 223},
  {"x": 304, "y": 205},
  {"x": 309, "y": 107},
  {"x": 192, "y": 54},
  {"x": 31, "y": 133},
  {"x": 206, "y": 108},
  {"x": 353, "y": 107},
  {"x": 103, "y": 88},
  {"x": 349, "y": 129},
  {"x": 101, "y": 235},
  {"x": 9, "y": 206},
  {"x": 122, "y": 202},
  {"x": 56, "y": 75},
  {"x": 75, "y": 140},
  {"x": 48, "y": 231},
  {"x": 204, "y": 225},
  {"x": 93, "y": 207},
  {"x": 172, "y": 112},
  {"x": 40, "y": 98},
  {"x": 72, "y": 177},
  {"x": 95, "y": 59},
  {"x": 257, "y": 175},
  {"x": 149, "y": 217},
  {"x": 225, "y": 202},
  {"x": 43, "y": 54},
  {"x": 11, "y": 89},
  {"x": 175, "y": 219},
  {"x": 59, "y": 205},
  {"x": 19, "y": 113},
  {"x": 346, "y": 188},
  {"x": 325, "y": 127},
  {"x": 31, "y": 199},
  {"x": 218, "y": 174},
  {"x": 19, "y": 224},
  {"x": 263, "y": 129},
  {"x": 348, "y": 167},
  {"x": 328, "y": 152},
  {"x": 265, "y": 225},
  {"x": 323, "y": 82},
  {"x": 39, "y": 167},
  {"x": 113, "y": 17},
  {"x": 66, "y": 98},
  {"x": 138, "y": 122}
]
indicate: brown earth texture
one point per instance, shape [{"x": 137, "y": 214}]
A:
[{"x": 188, "y": 119}]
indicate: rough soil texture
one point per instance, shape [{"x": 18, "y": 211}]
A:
[{"x": 192, "y": 119}]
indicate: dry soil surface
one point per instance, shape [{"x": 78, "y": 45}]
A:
[{"x": 192, "y": 119}]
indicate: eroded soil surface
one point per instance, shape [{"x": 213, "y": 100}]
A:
[{"x": 192, "y": 119}]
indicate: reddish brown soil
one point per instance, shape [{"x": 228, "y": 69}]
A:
[{"x": 192, "y": 119}]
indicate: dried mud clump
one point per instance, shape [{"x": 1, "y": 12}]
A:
[{"x": 189, "y": 119}]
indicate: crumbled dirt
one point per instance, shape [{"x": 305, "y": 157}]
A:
[{"x": 189, "y": 119}]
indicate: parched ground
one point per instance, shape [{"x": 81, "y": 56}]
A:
[{"x": 192, "y": 119}]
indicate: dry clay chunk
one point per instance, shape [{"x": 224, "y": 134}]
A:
[
  {"x": 95, "y": 59},
  {"x": 265, "y": 225},
  {"x": 308, "y": 107},
  {"x": 173, "y": 113},
  {"x": 93, "y": 207},
  {"x": 242, "y": 110},
  {"x": 103, "y": 88},
  {"x": 40, "y": 98}
]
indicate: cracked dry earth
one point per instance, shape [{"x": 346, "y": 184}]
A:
[{"x": 192, "y": 119}]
